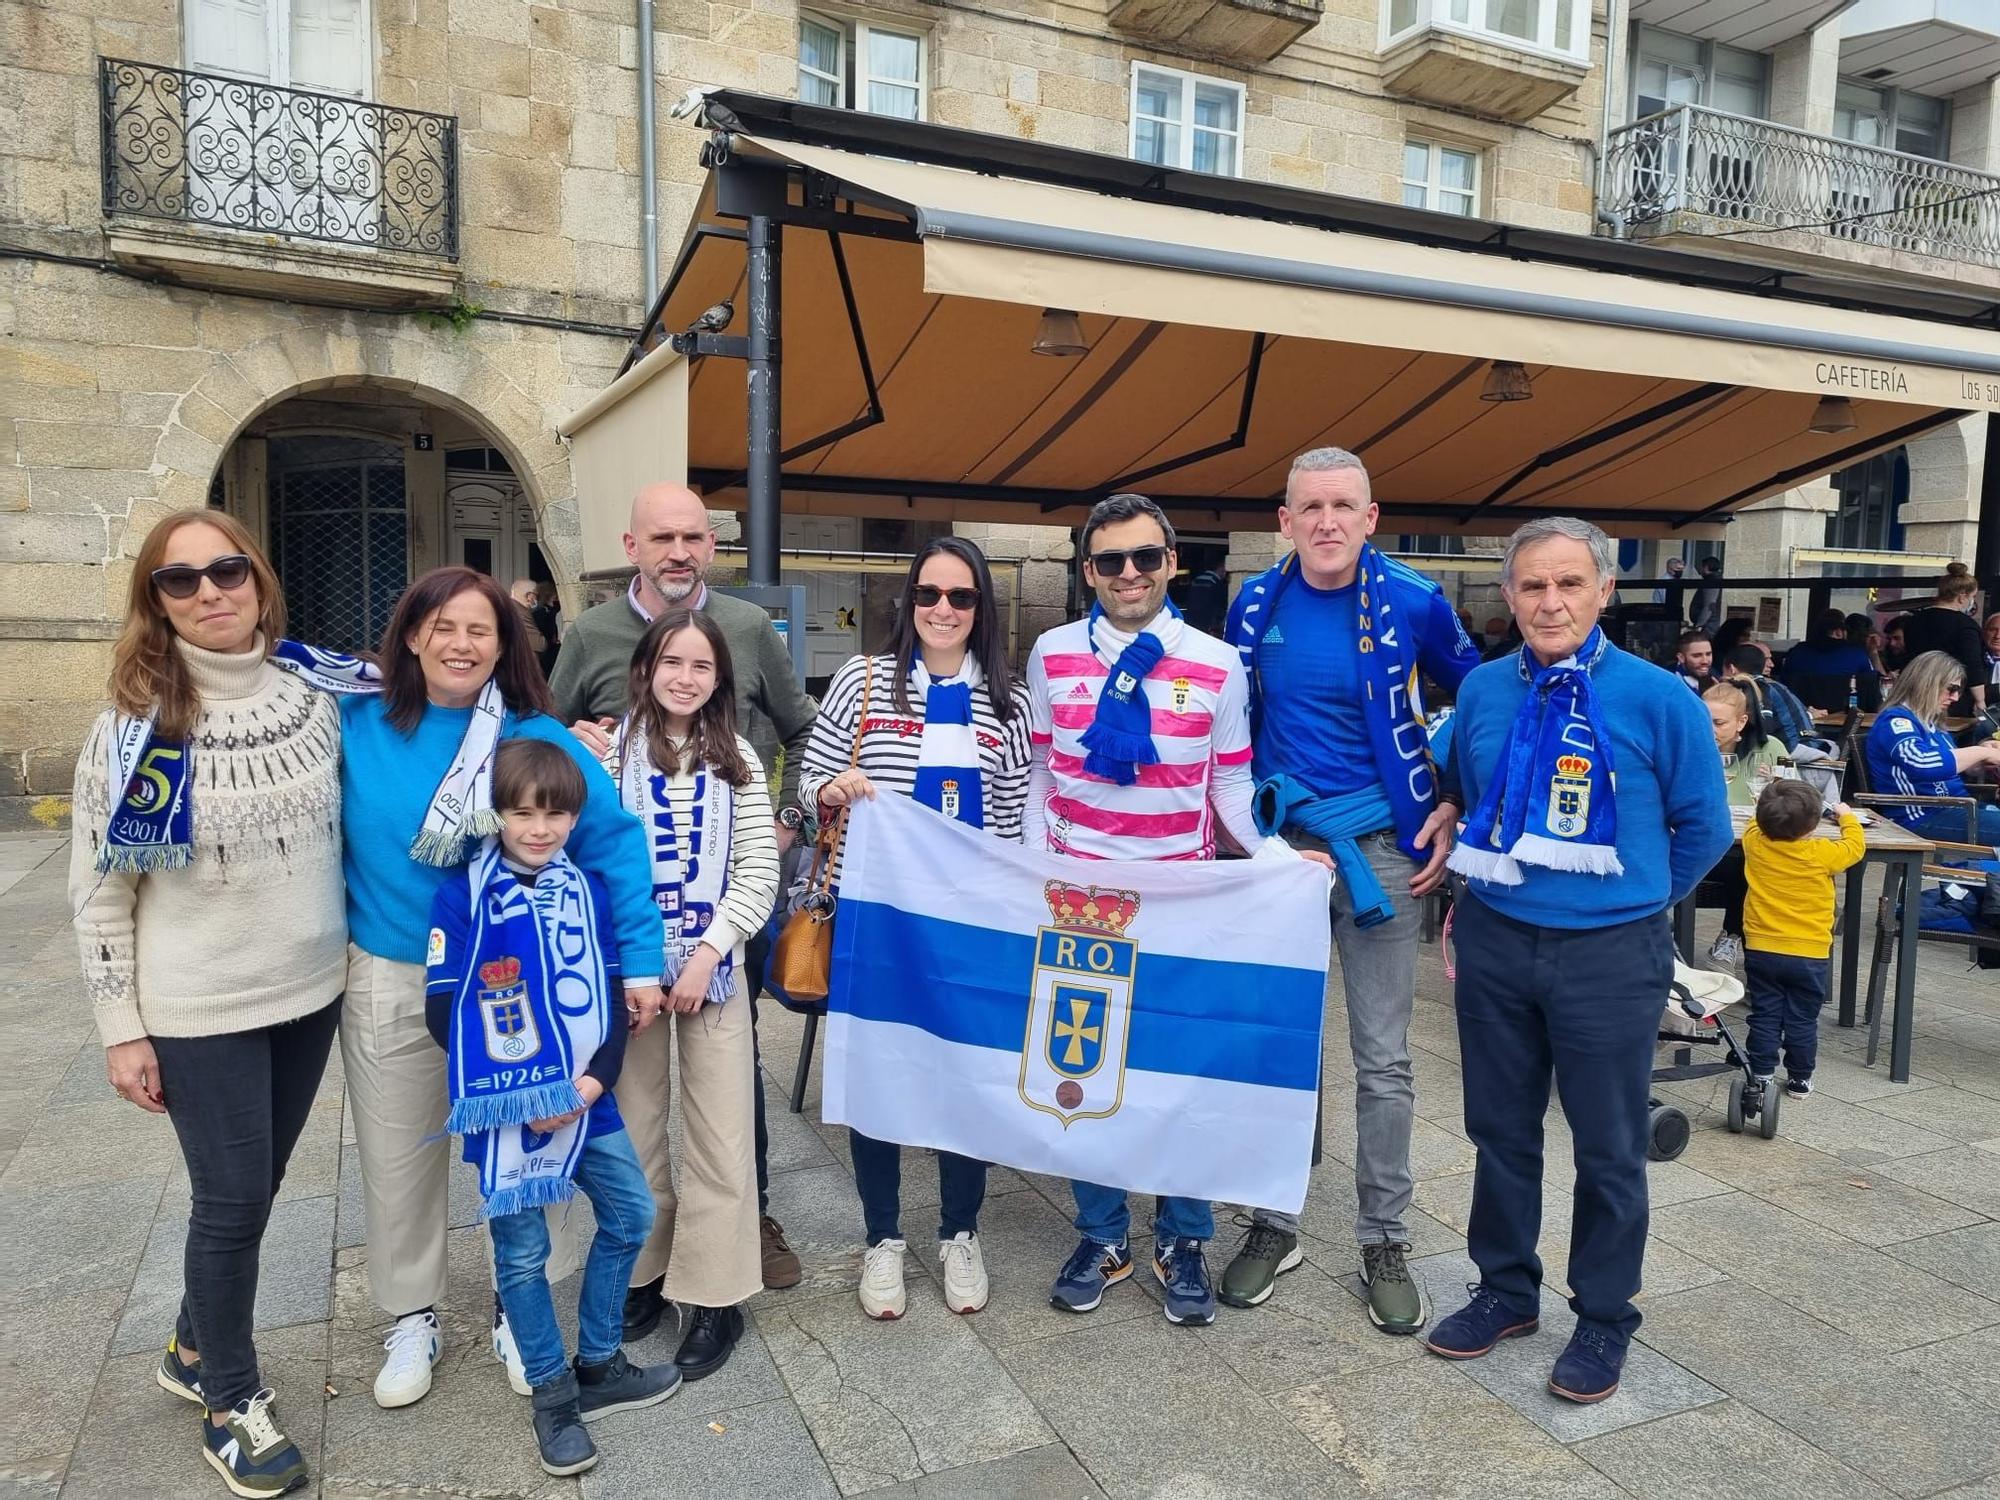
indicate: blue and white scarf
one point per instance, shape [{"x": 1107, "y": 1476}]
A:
[
  {"x": 533, "y": 1004},
  {"x": 152, "y": 814},
  {"x": 690, "y": 864},
  {"x": 152, "y": 821},
  {"x": 1391, "y": 698},
  {"x": 1120, "y": 737},
  {"x": 1549, "y": 802},
  {"x": 948, "y": 771}
]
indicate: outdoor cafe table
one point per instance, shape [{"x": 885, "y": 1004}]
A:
[{"x": 1888, "y": 843}]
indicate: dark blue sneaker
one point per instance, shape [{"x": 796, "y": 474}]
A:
[
  {"x": 1476, "y": 1327},
  {"x": 252, "y": 1456},
  {"x": 177, "y": 1375},
  {"x": 1589, "y": 1368},
  {"x": 1183, "y": 1271},
  {"x": 1091, "y": 1268}
]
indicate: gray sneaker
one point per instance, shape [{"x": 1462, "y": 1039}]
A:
[
  {"x": 1265, "y": 1254},
  {"x": 1395, "y": 1305}
]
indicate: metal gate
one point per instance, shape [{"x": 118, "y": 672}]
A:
[{"x": 342, "y": 531}]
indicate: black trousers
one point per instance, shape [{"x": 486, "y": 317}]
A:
[
  {"x": 1582, "y": 1005},
  {"x": 237, "y": 1102}
]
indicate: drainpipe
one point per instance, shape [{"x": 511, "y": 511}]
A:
[
  {"x": 649, "y": 179},
  {"x": 1615, "y": 46}
]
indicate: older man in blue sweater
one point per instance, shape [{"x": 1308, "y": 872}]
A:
[{"x": 1596, "y": 802}]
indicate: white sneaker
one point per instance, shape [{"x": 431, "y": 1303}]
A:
[
  {"x": 414, "y": 1345},
  {"x": 509, "y": 1354},
  {"x": 965, "y": 1285},
  {"x": 881, "y": 1288},
  {"x": 1727, "y": 949}
]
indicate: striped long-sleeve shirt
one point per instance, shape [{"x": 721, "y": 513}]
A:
[{"x": 890, "y": 740}]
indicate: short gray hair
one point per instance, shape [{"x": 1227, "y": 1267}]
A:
[
  {"x": 1328, "y": 461},
  {"x": 1576, "y": 529},
  {"x": 1126, "y": 507}
]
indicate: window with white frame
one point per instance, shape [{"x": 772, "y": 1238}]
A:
[
  {"x": 859, "y": 65},
  {"x": 1557, "y": 26},
  {"x": 305, "y": 44},
  {"x": 1185, "y": 120},
  {"x": 1444, "y": 178}
]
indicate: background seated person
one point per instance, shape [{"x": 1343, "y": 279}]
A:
[
  {"x": 1826, "y": 667},
  {"x": 1909, "y": 755}
]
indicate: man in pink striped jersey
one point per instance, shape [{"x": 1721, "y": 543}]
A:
[{"x": 1141, "y": 732}]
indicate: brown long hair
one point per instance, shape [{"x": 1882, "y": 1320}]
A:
[
  {"x": 517, "y": 671},
  {"x": 713, "y": 742},
  {"x": 147, "y": 673}
]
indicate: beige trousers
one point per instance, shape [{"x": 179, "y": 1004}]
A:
[
  {"x": 397, "y": 1099},
  {"x": 710, "y": 1253}
]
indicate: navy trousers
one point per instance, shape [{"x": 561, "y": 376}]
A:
[
  {"x": 1582, "y": 1005},
  {"x": 1786, "y": 993}
]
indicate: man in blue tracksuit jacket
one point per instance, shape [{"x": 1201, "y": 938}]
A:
[
  {"x": 1333, "y": 640},
  {"x": 1613, "y": 808}
]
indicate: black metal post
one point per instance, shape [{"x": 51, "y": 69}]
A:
[
  {"x": 1986, "y": 546},
  {"x": 760, "y": 532}
]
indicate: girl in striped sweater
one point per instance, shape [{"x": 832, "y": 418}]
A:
[{"x": 945, "y": 722}]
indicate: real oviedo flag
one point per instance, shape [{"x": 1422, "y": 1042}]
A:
[{"x": 1151, "y": 1026}]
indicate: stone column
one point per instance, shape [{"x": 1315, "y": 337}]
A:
[
  {"x": 1803, "y": 73},
  {"x": 1975, "y": 127}
]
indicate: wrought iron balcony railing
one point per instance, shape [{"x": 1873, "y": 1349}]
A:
[
  {"x": 196, "y": 148},
  {"x": 1690, "y": 160}
]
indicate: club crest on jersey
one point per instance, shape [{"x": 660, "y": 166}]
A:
[
  {"x": 1569, "y": 797},
  {"x": 504, "y": 1013},
  {"x": 1182, "y": 687}
]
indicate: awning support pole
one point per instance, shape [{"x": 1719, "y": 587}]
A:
[
  {"x": 1986, "y": 545},
  {"x": 762, "y": 274}
]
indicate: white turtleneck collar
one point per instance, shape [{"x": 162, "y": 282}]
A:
[{"x": 221, "y": 675}]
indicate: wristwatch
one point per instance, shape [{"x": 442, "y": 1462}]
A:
[{"x": 791, "y": 817}]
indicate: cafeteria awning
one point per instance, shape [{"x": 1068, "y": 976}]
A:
[{"x": 1230, "y": 325}]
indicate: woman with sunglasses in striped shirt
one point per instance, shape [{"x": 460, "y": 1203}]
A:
[{"x": 941, "y": 719}]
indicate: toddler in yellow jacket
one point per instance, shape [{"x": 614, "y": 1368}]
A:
[{"x": 1788, "y": 925}]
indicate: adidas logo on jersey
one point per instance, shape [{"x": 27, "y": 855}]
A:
[
  {"x": 1274, "y": 636},
  {"x": 1079, "y": 691}
]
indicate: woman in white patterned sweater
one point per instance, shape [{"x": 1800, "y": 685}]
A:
[
  {"x": 944, "y": 723},
  {"x": 205, "y": 874}
]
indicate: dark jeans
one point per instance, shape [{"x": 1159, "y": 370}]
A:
[
  {"x": 1585, "y": 1004},
  {"x": 756, "y": 953},
  {"x": 237, "y": 1102},
  {"x": 1729, "y": 886},
  {"x": 1786, "y": 993},
  {"x": 878, "y": 1175},
  {"x": 1949, "y": 824}
]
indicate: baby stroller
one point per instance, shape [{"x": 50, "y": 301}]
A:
[{"x": 1693, "y": 1018}]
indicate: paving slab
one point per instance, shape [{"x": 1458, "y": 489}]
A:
[
  {"x": 1313, "y": 1326},
  {"x": 74, "y": 1239},
  {"x": 1965, "y": 1175},
  {"x": 54, "y": 1342},
  {"x": 1151, "y": 1411},
  {"x": 1828, "y": 1388},
  {"x": 1050, "y": 1473},
  {"x": 1968, "y": 1257},
  {"x": 34, "y": 1478},
  {"x": 1970, "y": 1362},
  {"x": 681, "y": 1452},
  {"x": 1420, "y": 1430},
  {"x": 891, "y": 1401},
  {"x": 821, "y": 1213},
  {"x": 1722, "y": 1452},
  {"x": 294, "y": 1274},
  {"x": 1870, "y": 1207}
]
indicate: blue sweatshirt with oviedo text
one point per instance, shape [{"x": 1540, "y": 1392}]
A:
[
  {"x": 386, "y": 782},
  {"x": 1673, "y": 809}
]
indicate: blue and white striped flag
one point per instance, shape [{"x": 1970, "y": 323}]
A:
[{"x": 1151, "y": 1026}]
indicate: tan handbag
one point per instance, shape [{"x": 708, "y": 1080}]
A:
[{"x": 802, "y": 957}]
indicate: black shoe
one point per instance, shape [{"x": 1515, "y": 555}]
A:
[
  {"x": 620, "y": 1385},
  {"x": 644, "y": 1306},
  {"x": 559, "y": 1431},
  {"x": 712, "y": 1334}
]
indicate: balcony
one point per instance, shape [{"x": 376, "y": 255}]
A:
[
  {"x": 1714, "y": 181},
  {"x": 1237, "y": 31},
  {"x": 1505, "y": 59},
  {"x": 244, "y": 186}
]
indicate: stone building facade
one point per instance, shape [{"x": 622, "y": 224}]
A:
[{"x": 368, "y": 363}]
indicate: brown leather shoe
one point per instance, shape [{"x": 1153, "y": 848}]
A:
[{"x": 781, "y": 1262}]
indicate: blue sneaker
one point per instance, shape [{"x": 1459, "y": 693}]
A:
[
  {"x": 1589, "y": 1368},
  {"x": 252, "y": 1456},
  {"x": 1476, "y": 1327},
  {"x": 1091, "y": 1268},
  {"x": 177, "y": 1375},
  {"x": 1183, "y": 1271}
]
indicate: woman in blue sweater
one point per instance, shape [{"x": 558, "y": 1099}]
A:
[
  {"x": 416, "y": 783},
  {"x": 1910, "y": 756}
]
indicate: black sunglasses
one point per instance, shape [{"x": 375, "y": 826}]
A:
[
  {"x": 230, "y": 571},
  {"x": 1145, "y": 559},
  {"x": 926, "y": 596}
]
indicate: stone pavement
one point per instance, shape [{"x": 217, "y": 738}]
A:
[{"x": 1822, "y": 1310}]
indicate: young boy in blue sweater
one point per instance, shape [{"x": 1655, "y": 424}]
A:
[{"x": 522, "y": 975}]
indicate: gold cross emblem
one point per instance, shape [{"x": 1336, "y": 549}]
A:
[{"x": 1077, "y": 1032}]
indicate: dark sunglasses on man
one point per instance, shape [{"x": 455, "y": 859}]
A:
[
  {"x": 230, "y": 571},
  {"x": 926, "y": 596},
  {"x": 1144, "y": 559}
]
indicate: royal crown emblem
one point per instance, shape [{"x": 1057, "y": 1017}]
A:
[
  {"x": 1090, "y": 908},
  {"x": 1569, "y": 797},
  {"x": 500, "y": 973},
  {"x": 1572, "y": 765}
]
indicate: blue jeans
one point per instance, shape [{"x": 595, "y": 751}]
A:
[
  {"x": 1582, "y": 1004},
  {"x": 1786, "y": 993},
  {"x": 1948, "y": 823},
  {"x": 1102, "y": 1214},
  {"x": 878, "y": 1176},
  {"x": 610, "y": 1177}
]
